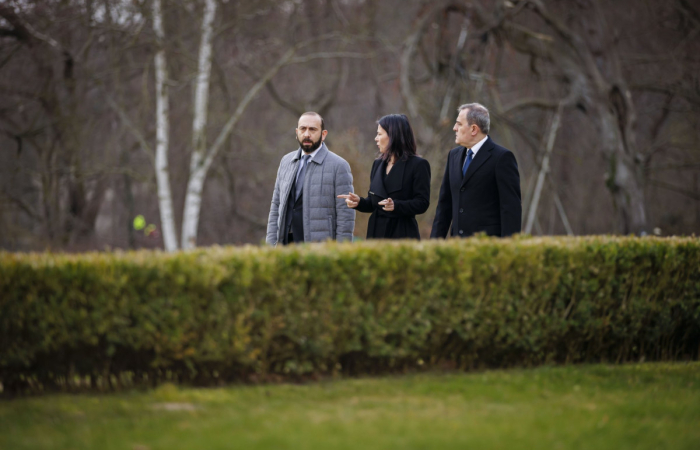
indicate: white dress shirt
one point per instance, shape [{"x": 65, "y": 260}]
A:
[
  {"x": 309, "y": 160},
  {"x": 477, "y": 146}
]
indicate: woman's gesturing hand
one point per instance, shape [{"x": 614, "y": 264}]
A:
[
  {"x": 388, "y": 204},
  {"x": 352, "y": 200}
]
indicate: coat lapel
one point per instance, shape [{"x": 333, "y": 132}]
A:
[
  {"x": 376, "y": 187},
  {"x": 316, "y": 161},
  {"x": 321, "y": 155},
  {"x": 482, "y": 155},
  {"x": 456, "y": 167},
  {"x": 394, "y": 179},
  {"x": 292, "y": 174}
]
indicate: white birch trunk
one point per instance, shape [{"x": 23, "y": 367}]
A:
[
  {"x": 200, "y": 166},
  {"x": 193, "y": 197},
  {"x": 560, "y": 208},
  {"x": 202, "y": 160},
  {"x": 165, "y": 201},
  {"x": 544, "y": 168}
]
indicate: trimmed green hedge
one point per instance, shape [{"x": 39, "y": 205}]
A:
[{"x": 253, "y": 313}]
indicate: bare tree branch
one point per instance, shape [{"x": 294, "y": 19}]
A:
[
  {"x": 24, "y": 206},
  {"x": 26, "y": 33},
  {"x": 258, "y": 222},
  {"x": 560, "y": 206},
  {"x": 530, "y": 102},
  {"x": 321, "y": 103},
  {"x": 687, "y": 9},
  {"x": 339, "y": 13},
  {"x": 676, "y": 189},
  {"x": 282, "y": 102},
  {"x": 330, "y": 55},
  {"x": 544, "y": 166},
  {"x": 325, "y": 102},
  {"x": 228, "y": 127},
  {"x": 143, "y": 144}
]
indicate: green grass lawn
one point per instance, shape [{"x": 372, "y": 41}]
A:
[{"x": 645, "y": 406}]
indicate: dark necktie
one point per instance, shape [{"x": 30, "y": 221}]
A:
[
  {"x": 468, "y": 161},
  {"x": 300, "y": 176}
]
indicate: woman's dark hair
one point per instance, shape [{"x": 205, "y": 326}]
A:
[{"x": 402, "y": 144}]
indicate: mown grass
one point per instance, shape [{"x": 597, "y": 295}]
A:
[{"x": 642, "y": 406}]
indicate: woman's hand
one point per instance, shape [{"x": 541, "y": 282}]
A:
[
  {"x": 388, "y": 204},
  {"x": 352, "y": 200}
]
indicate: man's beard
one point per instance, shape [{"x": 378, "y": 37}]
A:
[{"x": 309, "y": 148}]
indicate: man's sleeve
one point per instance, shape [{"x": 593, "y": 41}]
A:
[
  {"x": 345, "y": 217},
  {"x": 443, "y": 212},
  {"x": 508, "y": 183},
  {"x": 272, "y": 229}
]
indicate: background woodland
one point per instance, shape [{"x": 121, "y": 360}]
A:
[{"x": 180, "y": 111}]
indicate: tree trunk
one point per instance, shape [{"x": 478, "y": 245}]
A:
[
  {"x": 605, "y": 99},
  {"x": 544, "y": 167},
  {"x": 165, "y": 200},
  {"x": 200, "y": 167},
  {"x": 193, "y": 198},
  {"x": 624, "y": 178}
]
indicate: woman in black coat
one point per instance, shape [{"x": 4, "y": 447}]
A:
[{"x": 399, "y": 183}]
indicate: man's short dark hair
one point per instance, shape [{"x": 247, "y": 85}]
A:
[
  {"x": 313, "y": 113},
  {"x": 478, "y": 115}
]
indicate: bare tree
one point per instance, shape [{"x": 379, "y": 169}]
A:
[
  {"x": 607, "y": 100},
  {"x": 70, "y": 192},
  {"x": 165, "y": 199},
  {"x": 202, "y": 155},
  {"x": 603, "y": 95},
  {"x": 100, "y": 106}
]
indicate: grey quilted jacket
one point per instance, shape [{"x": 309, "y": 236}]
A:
[{"x": 325, "y": 216}]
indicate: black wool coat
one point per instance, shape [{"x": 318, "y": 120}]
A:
[
  {"x": 408, "y": 185},
  {"x": 486, "y": 199}
]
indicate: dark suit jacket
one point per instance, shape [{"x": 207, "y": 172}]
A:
[
  {"x": 486, "y": 199},
  {"x": 408, "y": 185}
]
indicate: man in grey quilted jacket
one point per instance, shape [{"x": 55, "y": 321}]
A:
[{"x": 305, "y": 207}]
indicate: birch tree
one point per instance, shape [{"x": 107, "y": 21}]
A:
[
  {"x": 544, "y": 168},
  {"x": 201, "y": 163},
  {"x": 203, "y": 155},
  {"x": 198, "y": 171},
  {"x": 165, "y": 199}
]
